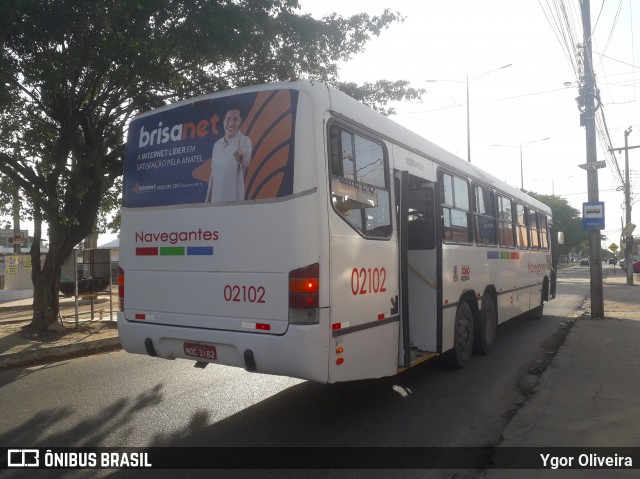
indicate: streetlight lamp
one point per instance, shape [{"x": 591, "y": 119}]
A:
[
  {"x": 521, "y": 146},
  {"x": 467, "y": 82}
]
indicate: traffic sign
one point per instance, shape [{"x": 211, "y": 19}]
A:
[
  {"x": 628, "y": 230},
  {"x": 613, "y": 247},
  {"x": 594, "y": 165},
  {"x": 593, "y": 215}
]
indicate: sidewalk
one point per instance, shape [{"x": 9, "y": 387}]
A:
[
  {"x": 589, "y": 395},
  {"x": 18, "y": 348}
]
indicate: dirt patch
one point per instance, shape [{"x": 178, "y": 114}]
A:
[{"x": 69, "y": 332}]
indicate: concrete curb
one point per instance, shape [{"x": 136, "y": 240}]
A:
[{"x": 24, "y": 358}]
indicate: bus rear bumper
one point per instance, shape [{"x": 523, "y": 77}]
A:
[{"x": 298, "y": 353}]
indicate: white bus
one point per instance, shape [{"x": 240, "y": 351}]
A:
[{"x": 288, "y": 229}]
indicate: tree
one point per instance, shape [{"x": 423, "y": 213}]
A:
[
  {"x": 74, "y": 72},
  {"x": 566, "y": 219}
]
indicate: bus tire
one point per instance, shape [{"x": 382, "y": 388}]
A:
[
  {"x": 485, "y": 326},
  {"x": 460, "y": 355}
]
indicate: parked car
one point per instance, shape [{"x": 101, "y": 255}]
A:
[
  {"x": 635, "y": 263},
  {"x": 584, "y": 262}
]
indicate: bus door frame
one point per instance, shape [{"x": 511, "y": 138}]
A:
[{"x": 401, "y": 189}]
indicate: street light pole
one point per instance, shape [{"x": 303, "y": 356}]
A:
[
  {"x": 521, "y": 146},
  {"x": 521, "y": 170},
  {"x": 468, "y": 125},
  {"x": 467, "y": 82}
]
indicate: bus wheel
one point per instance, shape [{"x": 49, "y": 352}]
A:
[
  {"x": 485, "y": 326},
  {"x": 460, "y": 355}
]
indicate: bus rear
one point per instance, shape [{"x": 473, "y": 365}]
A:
[{"x": 222, "y": 236}]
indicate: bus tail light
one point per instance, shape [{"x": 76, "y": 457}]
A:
[
  {"x": 120, "y": 289},
  {"x": 304, "y": 294}
]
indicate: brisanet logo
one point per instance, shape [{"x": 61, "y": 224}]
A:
[{"x": 180, "y": 132}]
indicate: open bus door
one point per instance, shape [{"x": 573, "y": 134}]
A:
[{"x": 419, "y": 266}]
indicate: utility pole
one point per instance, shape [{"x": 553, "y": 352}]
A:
[
  {"x": 589, "y": 91},
  {"x": 627, "y": 206}
]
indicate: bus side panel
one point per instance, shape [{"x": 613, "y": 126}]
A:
[
  {"x": 364, "y": 294},
  {"x": 302, "y": 352},
  {"x": 539, "y": 268},
  {"x": 509, "y": 278},
  {"x": 448, "y": 327},
  {"x": 521, "y": 293},
  {"x": 462, "y": 271},
  {"x": 368, "y": 354}
]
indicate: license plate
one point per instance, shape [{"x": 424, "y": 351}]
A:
[{"x": 206, "y": 351}]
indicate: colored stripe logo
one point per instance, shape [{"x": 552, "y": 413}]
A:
[
  {"x": 502, "y": 255},
  {"x": 175, "y": 251}
]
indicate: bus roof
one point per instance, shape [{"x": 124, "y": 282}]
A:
[{"x": 347, "y": 107}]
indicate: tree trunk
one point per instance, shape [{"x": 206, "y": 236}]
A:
[
  {"x": 46, "y": 275},
  {"x": 46, "y": 284},
  {"x": 46, "y": 279}
]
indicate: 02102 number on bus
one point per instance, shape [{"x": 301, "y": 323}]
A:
[
  {"x": 368, "y": 280},
  {"x": 244, "y": 294}
]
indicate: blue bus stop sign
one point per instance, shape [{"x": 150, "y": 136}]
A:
[{"x": 593, "y": 215}]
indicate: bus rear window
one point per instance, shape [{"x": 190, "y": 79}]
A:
[{"x": 359, "y": 182}]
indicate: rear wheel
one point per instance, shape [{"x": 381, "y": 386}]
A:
[
  {"x": 460, "y": 355},
  {"x": 485, "y": 326}
]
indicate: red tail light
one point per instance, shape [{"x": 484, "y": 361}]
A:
[
  {"x": 120, "y": 289},
  {"x": 304, "y": 287}
]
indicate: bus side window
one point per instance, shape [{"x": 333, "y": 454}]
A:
[
  {"x": 455, "y": 209},
  {"x": 484, "y": 217},
  {"x": 544, "y": 231},
  {"x": 359, "y": 183},
  {"x": 505, "y": 222},
  {"x": 520, "y": 221},
  {"x": 532, "y": 224},
  {"x": 335, "y": 152}
]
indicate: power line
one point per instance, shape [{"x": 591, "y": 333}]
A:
[
  {"x": 613, "y": 27},
  {"x": 619, "y": 61}
]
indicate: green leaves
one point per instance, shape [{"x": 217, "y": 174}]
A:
[{"x": 73, "y": 73}]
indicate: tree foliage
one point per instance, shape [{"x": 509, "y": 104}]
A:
[{"x": 75, "y": 72}]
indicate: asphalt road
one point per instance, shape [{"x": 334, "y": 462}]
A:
[{"x": 118, "y": 399}]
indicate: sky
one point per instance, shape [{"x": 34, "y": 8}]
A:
[{"x": 530, "y": 103}]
